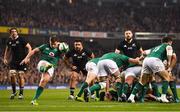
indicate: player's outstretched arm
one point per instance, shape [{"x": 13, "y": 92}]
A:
[
  {"x": 28, "y": 46},
  {"x": 134, "y": 61},
  {"x": 27, "y": 58}
]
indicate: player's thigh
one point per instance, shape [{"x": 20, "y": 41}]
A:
[
  {"x": 156, "y": 65},
  {"x": 106, "y": 67},
  {"x": 145, "y": 67},
  {"x": 75, "y": 75},
  {"x": 90, "y": 77},
  {"x": 164, "y": 75},
  {"x": 42, "y": 63}
]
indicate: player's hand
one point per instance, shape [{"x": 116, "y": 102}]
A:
[
  {"x": 73, "y": 67},
  {"x": 5, "y": 61},
  {"x": 24, "y": 61},
  {"x": 169, "y": 70}
]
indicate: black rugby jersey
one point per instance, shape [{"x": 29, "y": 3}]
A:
[
  {"x": 18, "y": 49},
  {"x": 79, "y": 59},
  {"x": 129, "y": 49}
]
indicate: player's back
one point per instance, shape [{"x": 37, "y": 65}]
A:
[
  {"x": 159, "y": 52},
  {"x": 120, "y": 59}
]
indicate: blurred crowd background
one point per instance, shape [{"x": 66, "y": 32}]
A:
[{"x": 94, "y": 16}]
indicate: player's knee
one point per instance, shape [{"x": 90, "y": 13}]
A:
[
  {"x": 12, "y": 73},
  {"x": 21, "y": 74},
  {"x": 44, "y": 81},
  {"x": 166, "y": 77},
  {"x": 129, "y": 80},
  {"x": 74, "y": 76}
]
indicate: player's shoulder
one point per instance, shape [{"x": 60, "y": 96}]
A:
[
  {"x": 135, "y": 41},
  {"x": 44, "y": 45},
  {"x": 86, "y": 50},
  {"x": 21, "y": 38}
]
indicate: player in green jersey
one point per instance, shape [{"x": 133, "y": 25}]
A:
[
  {"x": 108, "y": 65},
  {"x": 130, "y": 75},
  {"x": 91, "y": 67},
  {"x": 50, "y": 56},
  {"x": 153, "y": 64}
]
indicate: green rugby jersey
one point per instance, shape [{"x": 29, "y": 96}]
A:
[
  {"x": 119, "y": 59},
  {"x": 159, "y": 52},
  {"x": 49, "y": 54}
]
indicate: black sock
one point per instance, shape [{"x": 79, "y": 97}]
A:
[
  {"x": 72, "y": 91},
  {"x": 21, "y": 90},
  {"x": 13, "y": 87}
]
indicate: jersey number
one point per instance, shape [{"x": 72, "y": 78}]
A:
[{"x": 156, "y": 49}]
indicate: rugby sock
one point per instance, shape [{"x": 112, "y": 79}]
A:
[
  {"x": 97, "y": 93},
  {"x": 72, "y": 91},
  {"x": 38, "y": 92},
  {"x": 21, "y": 90},
  {"x": 172, "y": 85},
  {"x": 125, "y": 88},
  {"x": 143, "y": 92},
  {"x": 13, "y": 87},
  {"x": 155, "y": 89},
  {"x": 164, "y": 87},
  {"x": 95, "y": 87},
  {"x": 84, "y": 85},
  {"x": 137, "y": 87},
  {"x": 118, "y": 86}
]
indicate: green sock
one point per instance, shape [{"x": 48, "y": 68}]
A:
[
  {"x": 118, "y": 86},
  {"x": 95, "y": 87},
  {"x": 83, "y": 86},
  {"x": 172, "y": 85},
  {"x": 164, "y": 87},
  {"x": 97, "y": 93},
  {"x": 137, "y": 87},
  {"x": 155, "y": 89},
  {"x": 125, "y": 88},
  {"x": 143, "y": 92},
  {"x": 38, "y": 92}
]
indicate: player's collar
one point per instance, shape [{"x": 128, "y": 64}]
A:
[
  {"x": 15, "y": 37},
  {"x": 129, "y": 40}
]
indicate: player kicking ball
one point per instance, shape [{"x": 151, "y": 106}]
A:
[{"x": 48, "y": 62}]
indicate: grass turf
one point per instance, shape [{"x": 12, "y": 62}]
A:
[{"x": 56, "y": 100}]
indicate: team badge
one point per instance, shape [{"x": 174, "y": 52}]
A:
[{"x": 51, "y": 54}]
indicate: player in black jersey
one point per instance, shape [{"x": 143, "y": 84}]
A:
[
  {"x": 16, "y": 49},
  {"x": 129, "y": 46},
  {"x": 80, "y": 57}
]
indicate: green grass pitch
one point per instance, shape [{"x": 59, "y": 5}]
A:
[{"x": 56, "y": 100}]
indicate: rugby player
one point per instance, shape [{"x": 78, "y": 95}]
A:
[
  {"x": 15, "y": 52},
  {"x": 50, "y": 56}
]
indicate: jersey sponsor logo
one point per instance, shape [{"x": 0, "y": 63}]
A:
[
  {"x": 79, "y": 57},
  {"x": 13, "y": 45},
  {"x": 17, "y": 42},
  {"x": 134, "y": 45},
  {"x": 47, "y": 48},
  {"x": 83, "y": 54},
  {"x": 51, "y": 54},
  {"x": 130, "y": 48},
  {"x": 75, "y": 55}
]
